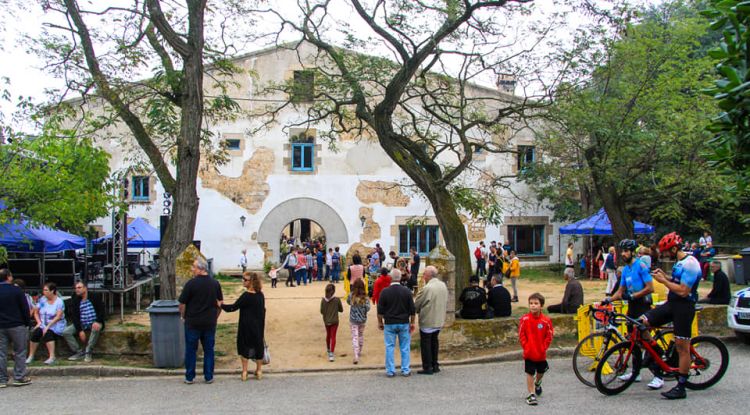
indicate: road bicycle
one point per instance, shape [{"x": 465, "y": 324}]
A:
[
  {"x": 590, "y": 350},
  {"x": 709, "y": 359}
]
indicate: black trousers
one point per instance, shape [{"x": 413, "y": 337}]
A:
[
  {"x": 428, "y": 343},
  {"x": 290, "y": 277}
]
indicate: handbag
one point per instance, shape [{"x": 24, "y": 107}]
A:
[{"x": 266, "y": 354}]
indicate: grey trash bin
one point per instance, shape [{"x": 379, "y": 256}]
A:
[
  {"x": 167, "y": 333},
  {"x": 742, "y": 277}
]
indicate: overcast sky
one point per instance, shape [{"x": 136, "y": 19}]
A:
[{"x": 24, "y": 70}]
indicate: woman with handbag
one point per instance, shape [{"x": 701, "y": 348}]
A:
[{"x": 250, "y": 330}]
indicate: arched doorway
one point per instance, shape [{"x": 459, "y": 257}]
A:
[
  {"x": 302, "y": 230},
  {"x": 301, "y": 208}
]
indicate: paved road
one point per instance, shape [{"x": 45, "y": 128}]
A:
[{"x": 470, "y": 389}]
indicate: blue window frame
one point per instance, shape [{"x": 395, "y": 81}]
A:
[
  {"x": 232, "y": 144},
  {"x": 526, "y": 156},
  {"x": 424, "y": 238},
  {"x": 140, "y": 189},
  {"x": 303, "y": 156},
  {"x": 527, "y": 240}
]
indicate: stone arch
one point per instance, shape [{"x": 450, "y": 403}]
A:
[{"x": 301, "y": 208}]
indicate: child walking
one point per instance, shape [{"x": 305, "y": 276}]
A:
[
  {"x": 360, "y": 305},
  {"x": 273, "y": 273},
  {"x": 535, "y": 333},
  {"x": 330, "y": 307}
]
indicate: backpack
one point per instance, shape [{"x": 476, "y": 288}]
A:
[
  {"x": 478, "y": 253},
  {"x": 335, "y": 259}
]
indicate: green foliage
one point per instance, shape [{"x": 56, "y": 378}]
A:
[
  {"x": 56, "y": 178},
  {"x": 633, "y": 130},
  {"x": 730, "y": 144},
  {"x": 267, "y": 266}
]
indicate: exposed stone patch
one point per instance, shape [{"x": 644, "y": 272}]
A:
[
  {"x": 360, "y": 248},
  {"x": 371, "y": 230},
  {"x": 249, "y": 190},
  {"x": 387, "y": 193}
]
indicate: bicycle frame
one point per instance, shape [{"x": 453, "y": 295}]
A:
[{"x": 636, "y": 339}]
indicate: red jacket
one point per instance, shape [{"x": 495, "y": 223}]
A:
[
  {"x": 535, "y": 334},
  {"x": 381, "y": 283}
]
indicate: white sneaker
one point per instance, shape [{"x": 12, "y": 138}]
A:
[
  {"x": 656, "y": 383},
  {"x": 29, "y": 359},
  {"x": 626, "y": 377},
  {"x": 330, "y": 357},
  {"x": 50, "y": 361}
]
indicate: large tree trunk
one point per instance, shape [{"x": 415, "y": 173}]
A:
[
  {"x": 454, "y": 234},
  {"x": 622, "y": 223},
  {"x": 180, "y": 230}
]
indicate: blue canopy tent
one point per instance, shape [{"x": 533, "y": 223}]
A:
[
  {"x": 599, "y": 224},
  {"x": 23, "y": 237},
  {"x": 140, "y": 235}
]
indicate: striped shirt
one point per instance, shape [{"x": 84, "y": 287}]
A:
[{"x": 88, "y": 315}]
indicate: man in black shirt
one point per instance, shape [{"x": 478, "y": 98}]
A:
[
  {"x": 14, "y": 328},
  {"x": 199, "y": 308},
  {"x": 473, "y": 300},
  {"x": 720, "y": 293},
  {"x": 498, "y": 300},
  {"x": 396, "y": 313}
]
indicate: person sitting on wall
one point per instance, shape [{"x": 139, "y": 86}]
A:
[
  {"x": 572, "y": 298},
  {"x": 87, "y": 315},
  {"x": 473, "y": 300},
  {"x": 720, "y": 293},
  {"x": 498, "y": 300}
]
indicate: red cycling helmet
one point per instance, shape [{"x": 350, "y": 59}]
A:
[{"x": 669, "y": 240}]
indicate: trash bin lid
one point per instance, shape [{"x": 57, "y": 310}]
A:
[
  {"x": 745, "y": 251},
  {"x": 164, "y": 306}
]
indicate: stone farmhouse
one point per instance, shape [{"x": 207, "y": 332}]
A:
[{"x": 288, "y": 180}]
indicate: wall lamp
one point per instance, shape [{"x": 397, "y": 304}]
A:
[
  {"x": 362, "y": 220},
  {"x": 242, "y": 220}
]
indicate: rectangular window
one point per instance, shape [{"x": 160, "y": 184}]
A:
[
  {"x": 527, "y": 240},
  {"x": 140, "y": 188},
  {"x": 303, "y": 88},
  {"x": 424, "y": 238},
  {"x": 302, "y": 156},
  {"x": 526, "y": 156},
  {"x": 232, "y": 144}
]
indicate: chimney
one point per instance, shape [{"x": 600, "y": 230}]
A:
[{"x": 506, "y": 83}]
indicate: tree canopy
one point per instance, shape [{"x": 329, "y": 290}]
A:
[{"x": 630, "y": 135}]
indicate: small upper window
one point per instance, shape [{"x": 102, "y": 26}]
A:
[
  {"x": 140, "y": 189},
  {"x": 526, "y": 156},
  {"x": 303, "y": 89},
  {"x": 232, "y": 144}
]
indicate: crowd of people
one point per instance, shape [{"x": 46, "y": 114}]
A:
[
  {"x": 28, "y": 324},
  {"x": 387, "y": 284}
]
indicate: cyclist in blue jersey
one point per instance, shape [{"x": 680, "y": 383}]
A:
[
  {"x": 636, "y": 286},
  {"x": 680, "y": 305}
]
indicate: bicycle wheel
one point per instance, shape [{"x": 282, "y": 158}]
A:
[
  {"x": 709, "y": 362},
  {"x": 587, "y": 354},
  {"x": 616, "y": 362}
]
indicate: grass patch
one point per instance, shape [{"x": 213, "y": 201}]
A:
[
  {"x": 226, "y": 278},
  {"x": 541, "y": 274}
]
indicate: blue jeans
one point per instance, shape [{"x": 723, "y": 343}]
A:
[
  {"x": 299, "y": 275},
  {"x": 207, "y": 339},
  {"x": 335, "y": 271},
  {"x": 404, "y": 344}
]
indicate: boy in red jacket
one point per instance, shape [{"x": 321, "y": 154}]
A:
[{"x": 535, "y": 333}]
